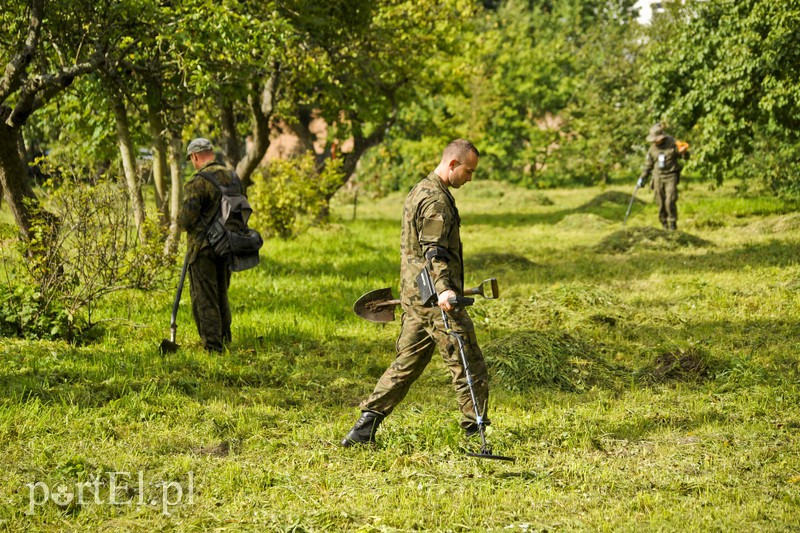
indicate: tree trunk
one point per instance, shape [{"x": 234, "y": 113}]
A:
[
  {"x": 159, "y": 148},
  {"x": 301, "y": 128},
  {"x": 129, "y": 162},
  {"x": 175, "y": 155},
  {"x": 262, "y": 103},
  {"x": 231, "y": 147},
  {"x": 14, "y": 183}
]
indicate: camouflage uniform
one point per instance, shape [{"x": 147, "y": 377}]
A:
[
  {"x": 663, "y": 163},
  {"x": 430, "y": 219},
  {"x": 209, "y": 275}
]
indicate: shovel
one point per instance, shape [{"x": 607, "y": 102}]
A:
[
  {"x": 378, "y": 305},
  {"x": 169, "y": 345}
]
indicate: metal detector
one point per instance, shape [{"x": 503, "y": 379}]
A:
[{"x": 429, "y": 296}]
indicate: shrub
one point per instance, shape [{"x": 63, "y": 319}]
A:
[
  {"x": 289, "y": 194},
  {"x": 82, "y": 248}
]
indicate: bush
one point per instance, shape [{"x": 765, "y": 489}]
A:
[
  {"x": 26, "y": 312},
  {"x": 81, "y": 248},
  {"x": 289, "y": 194}
]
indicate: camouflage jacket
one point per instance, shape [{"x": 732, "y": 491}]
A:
[
  {"x": 663, "y": 160},
  {"x": 430, "y": 220},
  {"x": 201, "y": 200}
]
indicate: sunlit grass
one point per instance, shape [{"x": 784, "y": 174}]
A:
[{"x": 659, "y": 384}]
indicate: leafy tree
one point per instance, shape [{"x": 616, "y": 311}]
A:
[
  {"x": 35, "y": 70},
  {"x": 546, "y": 89},
  {"x": 371, "y": 59},
  {"x": 727, "y": 72}
]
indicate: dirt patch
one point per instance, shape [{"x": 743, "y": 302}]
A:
[
  {"x": 223, "y": 449},
  {"x": 681, "y": 365},
  {"x": 648, "y": 238}
]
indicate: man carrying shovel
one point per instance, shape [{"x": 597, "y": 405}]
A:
[{"x": 431, "y": 238}]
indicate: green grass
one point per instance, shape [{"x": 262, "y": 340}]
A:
[{"x": 651, "y": 386}]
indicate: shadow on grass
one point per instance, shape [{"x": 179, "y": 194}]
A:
[
  {"x": 610, "y": 205},
  {"x": 285, "y": 370},
  {"x": 586, "y": 265}
]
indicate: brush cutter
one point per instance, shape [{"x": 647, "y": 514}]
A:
[
  {"x": 169, "y": 346},
  {"x": 630, "y": 204},
  {"x": 378, "y": 305}
]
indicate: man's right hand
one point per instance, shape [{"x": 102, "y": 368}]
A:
[
  {"x": 640, "y": 183},
  {"x": 443, "y": 302}
]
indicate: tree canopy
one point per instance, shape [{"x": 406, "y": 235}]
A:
[{"x": 554, "y": 92}]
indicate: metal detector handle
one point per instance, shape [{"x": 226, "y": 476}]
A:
[{"x": 461, "y": 301}]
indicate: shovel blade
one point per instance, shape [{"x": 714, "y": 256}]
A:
[
  {"x": 167, "y": 346},
  {"x": 376, "y": 306}
]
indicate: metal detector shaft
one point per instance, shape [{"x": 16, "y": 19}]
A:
[
  {"x": 468, "y": 375},
  {"x": 630, "y": 204}
]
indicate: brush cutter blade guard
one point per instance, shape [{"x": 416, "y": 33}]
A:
[{"x": 376, "y": 306}]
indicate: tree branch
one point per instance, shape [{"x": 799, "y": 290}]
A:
[
  {"x": 16, "y": 67},
  {"x": 261, "y": 106},
  {"x": 39, "y": 89}
]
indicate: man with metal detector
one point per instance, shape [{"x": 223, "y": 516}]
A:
[
  {"x": 663, "y": 162},
  {"x": 431, "y": 239},
  {"x": 209, "y": 274}
]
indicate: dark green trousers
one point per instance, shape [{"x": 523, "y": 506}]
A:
[
  {"x": 209, "y": 278},
  {"x": 666, "y": 191},
  {"x": 421, "y": 332}
]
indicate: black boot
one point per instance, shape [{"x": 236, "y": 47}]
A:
[
  {"x": 673, "y": 226},
  {"x": 364, "y": 430}
]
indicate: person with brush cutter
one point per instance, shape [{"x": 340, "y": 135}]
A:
[
  {"x": 431, "y": 238},
  {"x": 663, "y": 163}
]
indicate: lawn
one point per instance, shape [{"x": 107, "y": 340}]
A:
[{"x": 642, "y": 380}]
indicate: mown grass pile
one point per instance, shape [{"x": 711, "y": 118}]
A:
[{"x": 642, "y": 379}]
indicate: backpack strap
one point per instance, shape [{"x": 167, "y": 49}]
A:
[
  {"x": 210, "y": 177},
  {"x": 235, "y": 181}
]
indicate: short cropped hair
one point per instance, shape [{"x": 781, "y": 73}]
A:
[{"x": 459, "y": 149}]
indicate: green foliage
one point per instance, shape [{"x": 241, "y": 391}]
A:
[
  {"x": 80, "y": 250},
  {"x": 725, "y": 72},
  {"x": 26, "y": 312},
  {"x": 288, "y": 195},
  {"x": 549, "y": 94}
]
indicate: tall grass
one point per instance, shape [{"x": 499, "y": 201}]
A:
[{"x": 645, "y": 387}]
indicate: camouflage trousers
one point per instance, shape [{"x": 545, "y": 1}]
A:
[
  {"x": 422, "y": 331},
  {"x": 209, "y": 278},
  {"x": 666, "y": 191}
]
